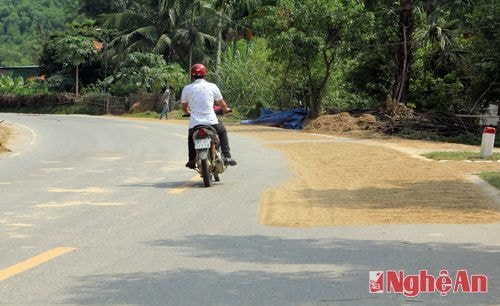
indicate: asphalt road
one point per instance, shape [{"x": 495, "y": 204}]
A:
[{"x": 101, "y": 211}]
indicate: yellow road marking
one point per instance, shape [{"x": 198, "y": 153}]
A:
[
  {"x": 77, "y": 203},
  {"x": 20, "y": 225},
  {"x": 33, "y": 262},
  {"x": 83, "y": 190},
  {"x": 50, "y": 170},
  {"x": 184, "y": 187},
  {"x": 109, "y": 158}
]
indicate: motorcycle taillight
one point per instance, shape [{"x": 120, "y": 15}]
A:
[{"x": 202, "y": 133}]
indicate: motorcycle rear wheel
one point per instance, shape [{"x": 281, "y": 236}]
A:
[{"x": 207, "y": 177}]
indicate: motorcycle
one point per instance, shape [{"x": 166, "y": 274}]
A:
[{"x": 209, "y": 159}]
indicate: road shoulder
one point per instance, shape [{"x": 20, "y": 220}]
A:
[{"x": 4, "y": 138}]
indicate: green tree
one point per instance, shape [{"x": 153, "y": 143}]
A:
[
  {"x": 434, "y": 56},
  {"x": 179, "y": 30},
  {"x": 234, "y": 22},
  {"x": 404, "y": 54},
  {"x": 145, "y": 30},
  {"x": 94, "y": 8},
  {"x": 306, "y": 37},
  {"x": 190, "y": 31},
  {"x": 144, "y": 72},
  {"x": 25, "y": 23},
  {"x": 247, "y": 77},
  {"x": 60, "y": 74},
  {"x": 485, "y": 51},
  {"x": 76, "y": 50}
]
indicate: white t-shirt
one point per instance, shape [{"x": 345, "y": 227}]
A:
[
  {"x": 166, "y": 96},
  {"x": 200, "y": 96}
]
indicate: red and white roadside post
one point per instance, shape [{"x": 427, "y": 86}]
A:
[{"x": 487, "y": 142}]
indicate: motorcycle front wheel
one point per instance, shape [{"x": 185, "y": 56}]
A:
[{"x": 207, "y": 177}]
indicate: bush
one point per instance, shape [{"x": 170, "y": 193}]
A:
[
  {"x": 18, "y": 86},
  {"x": 443, "y": 95}
]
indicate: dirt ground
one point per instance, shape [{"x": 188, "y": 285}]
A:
[
  {"x": 355, "y": 177},
  {"x": 4, "y": 136}
]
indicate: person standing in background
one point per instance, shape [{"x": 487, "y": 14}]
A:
[{"x": 166, "y": 103}]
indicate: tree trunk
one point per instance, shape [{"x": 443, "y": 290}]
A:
[
  {"x": 315, "y": 99},
  {"x": 190, "y": 62},
  {"x": 430, "y": 8},
  {"x": 318, "y": 88},
  {"x": 404, "y": 53},
  {"x": 77, "y": 90},
  {"x": 315, "y": 107},
  {"x": 191, "y": 43},
  {"x": 219, "y": 45}
]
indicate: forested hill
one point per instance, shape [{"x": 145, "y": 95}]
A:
[{"x": 24, "y": 22}]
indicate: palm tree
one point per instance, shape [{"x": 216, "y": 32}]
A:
[
  {"x": 148, "y": 31},
  {"x": 171, "y": 28},
  {"x": 188, "y": 36},
  {"x": 443, "y": 35}
]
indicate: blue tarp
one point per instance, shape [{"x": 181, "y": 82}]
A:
[{"x": 288, "y": 119}]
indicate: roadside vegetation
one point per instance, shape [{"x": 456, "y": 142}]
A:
[
  {"x": 415, "y": 64},
  {"x": 460, "y": 155},
  {"x": 21, "y": 87},
  {"x": 493, "y": 178}
]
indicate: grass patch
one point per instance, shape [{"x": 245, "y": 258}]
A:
[
  {"x": 460, "y": 155},
  {"x": 493, "y": 178}
]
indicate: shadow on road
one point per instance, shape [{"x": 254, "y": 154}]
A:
[
  {"x": 166, "y": 185},
  {"x": 260, "y": 270}
]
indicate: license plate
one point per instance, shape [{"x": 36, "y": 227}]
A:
[{"x": 202, "y": 143}]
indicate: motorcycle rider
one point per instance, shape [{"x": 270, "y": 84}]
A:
[{"x": 197, "y": 100}]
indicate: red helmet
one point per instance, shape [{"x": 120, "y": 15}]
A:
[{"x": 198, "y": 70}]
